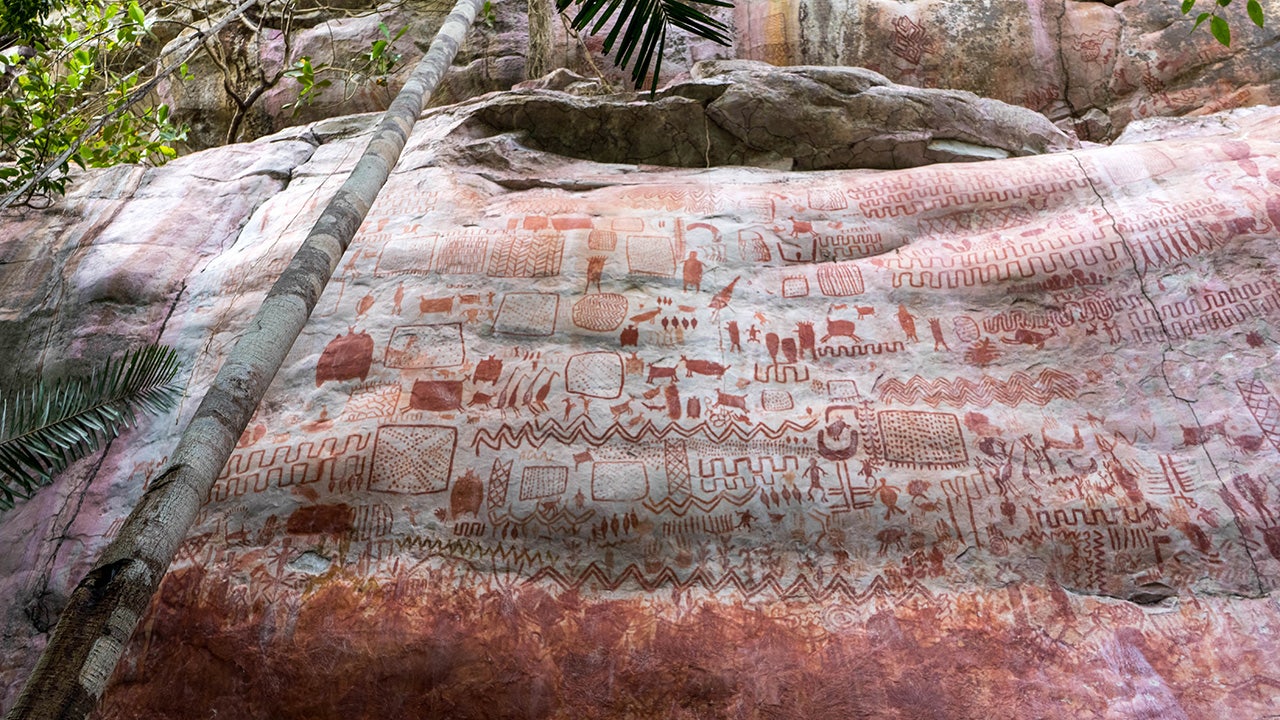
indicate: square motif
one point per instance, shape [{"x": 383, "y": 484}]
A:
[
  {"x": 527, "y": 314},
  {"x": 413, "y": 459}
]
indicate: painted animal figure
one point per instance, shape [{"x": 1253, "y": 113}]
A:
[
  {"x": 634, "y": 365},
  {"x": 890, "y": 537},
  {"x": 630, "y": 336},
  {"x": 656, "y": 372},
  {"x": 539, "y": 404},
  {"x": 1023, "y": 336},
  {"x": 435, "y": 305},
  {"x": 702, "y": 367},
  {"x": 622, "y": 409},
  {"x": 840, "y": 328},
  {"x": 1201, "y": 435},
  {"x": 487, "y": 370},
  {"x": 734, "y": 401},
  {"x": 800, "y": 226}
]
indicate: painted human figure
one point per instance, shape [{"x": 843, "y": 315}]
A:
[
  {"x": 595, "y": 271},
  {"x": 888, "y": 495},
  {"x": 908, "y": 323},
  {"x": 815, "y": 474},
  {"x": 735, "y": 337},
  {"x": 692, "y": 273},
  {"x": 935, "y": 327}
]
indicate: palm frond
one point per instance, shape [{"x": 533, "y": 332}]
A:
[
  {"x": 640, "y": 28},
  {"x": 44, "y": 427}
]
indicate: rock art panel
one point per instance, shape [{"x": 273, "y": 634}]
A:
[{"x": 848, "y": 441}]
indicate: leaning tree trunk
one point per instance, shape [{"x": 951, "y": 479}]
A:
[{"x": 106, "y": 606}]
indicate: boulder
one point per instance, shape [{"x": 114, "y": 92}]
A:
[{"x": 750, "y": 113}]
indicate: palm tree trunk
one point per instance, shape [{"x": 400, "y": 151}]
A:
[{"x": 106, "y": 606}]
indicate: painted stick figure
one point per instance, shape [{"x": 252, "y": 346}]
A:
[{"x": 815, "y": 475}]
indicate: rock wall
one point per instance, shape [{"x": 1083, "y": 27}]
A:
[
  {"x": 1094, "y": 66},
  {"x": 574, "y": 439}
]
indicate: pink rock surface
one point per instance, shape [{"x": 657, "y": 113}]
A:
[
  {"x": 567, "y": 439},
  {"x": 1093, "y": 66}
]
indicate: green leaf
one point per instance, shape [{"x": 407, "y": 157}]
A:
[
  {"x": 1187, "y": 5},
  {"x": 1201, "y": 18},
  {"x": 137, "y": 15},
  {"x": 1255, "y": 12},
  {"x": 46, "y": 426},
  {"x": 639, "y": 28},
  {"x": 1220, "y": 30}
]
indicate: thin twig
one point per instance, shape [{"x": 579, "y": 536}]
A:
[{"x": 137, "y": 95}]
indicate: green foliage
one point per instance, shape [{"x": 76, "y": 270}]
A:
[
  {"x": 47, "y": 426},
  {"x": 379, "y": 61},
  {"x": 51, "y": 95},
  {"x": 22, "y": 18},
  {"x": 640, "y": 28},
  {"x": 1218, "y": 25}
]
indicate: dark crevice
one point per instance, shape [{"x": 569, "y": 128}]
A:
[
  {"x": 1164, "y": 352},
  {"x": 43, "y": 606}
]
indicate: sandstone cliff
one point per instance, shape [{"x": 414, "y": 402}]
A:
[{"x": 570, "y": 438}]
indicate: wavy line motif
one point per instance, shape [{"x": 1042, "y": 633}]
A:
[
  {"x": 545, "y": 515},
  {"x": 577, "y": 434},
  {"x": 1019, "y": 388},
  {"x": 471, "y": 550},
  {"x": 802, "y": 588},
  {"x": 681, "y": 507}
]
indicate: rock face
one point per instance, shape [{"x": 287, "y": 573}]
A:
[
  {"x": 237, "y": 89},
  {"x": 571, "y": 439},
  {"x": 1094, "y": 66},
  {"x": 803, "y": 118}
]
